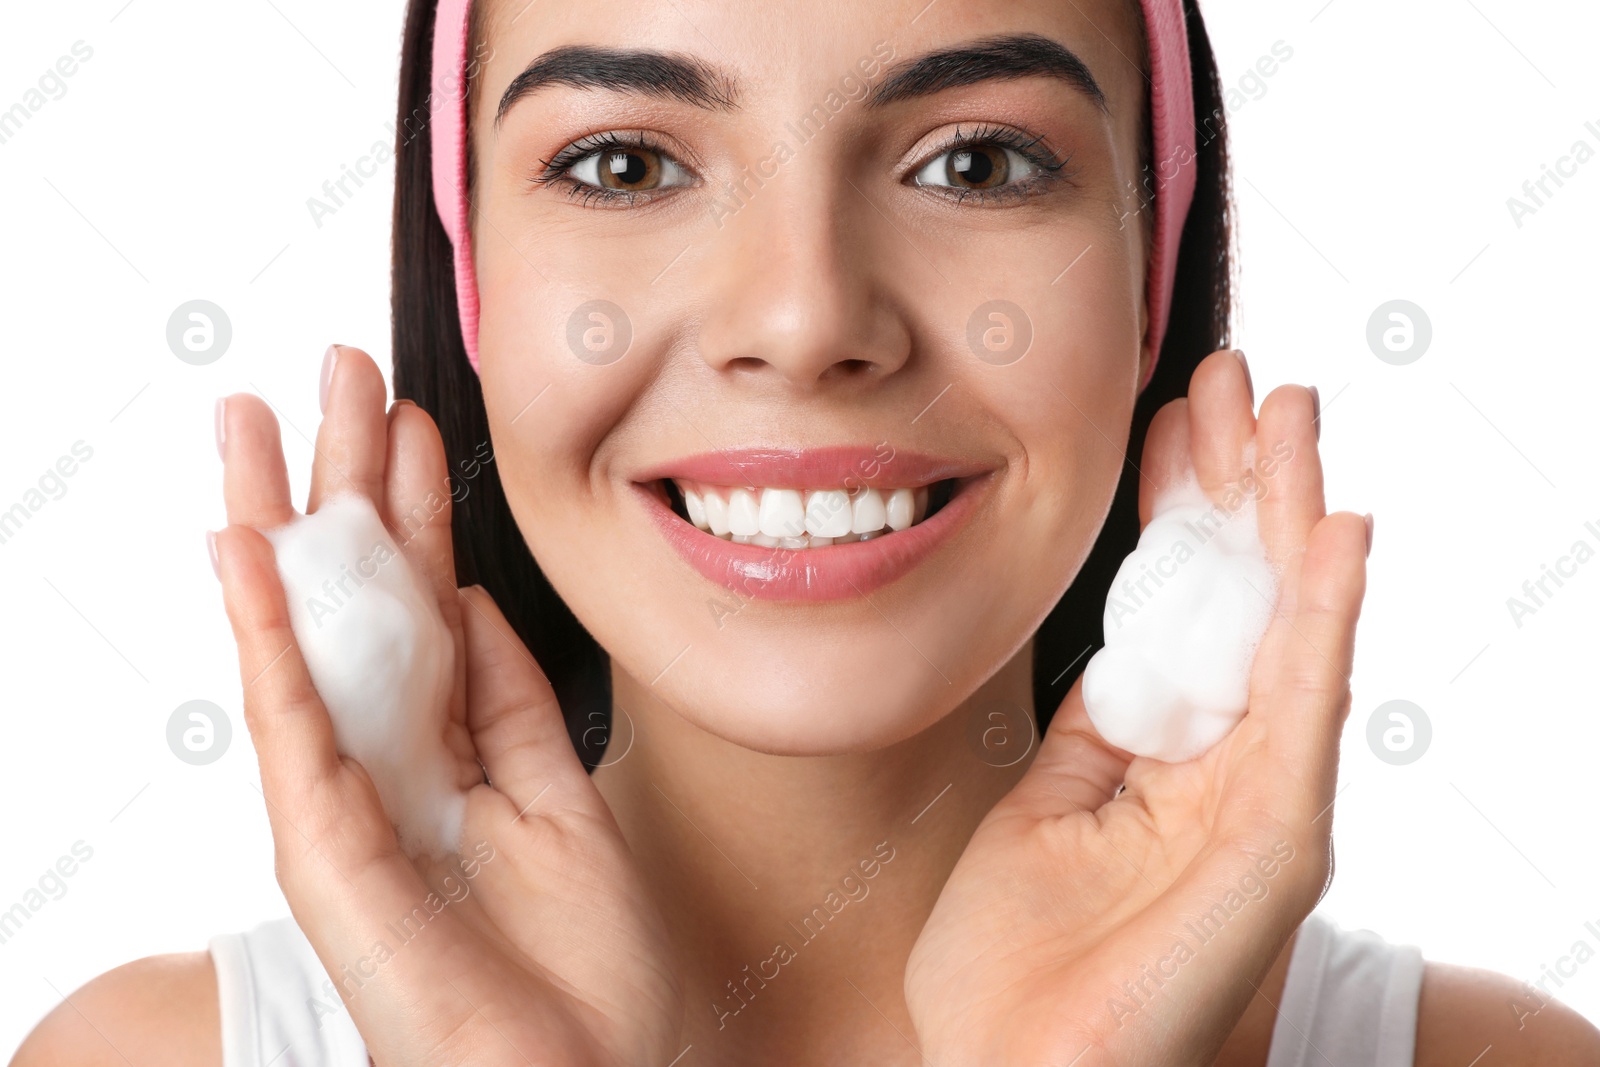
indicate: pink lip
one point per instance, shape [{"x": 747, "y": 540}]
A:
[{"x": 814, "y": 574}]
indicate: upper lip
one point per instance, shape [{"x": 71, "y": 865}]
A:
[{"x": 815, "y": 468}]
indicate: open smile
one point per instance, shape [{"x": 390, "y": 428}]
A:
[{"x": 817, "y": 524}]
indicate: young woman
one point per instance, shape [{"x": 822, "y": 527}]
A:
[{"x": 958, "y": 265}]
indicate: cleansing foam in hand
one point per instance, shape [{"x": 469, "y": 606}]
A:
[
  {"x": 1184, "y": 616},
  {"x": 382, "y": 659}
]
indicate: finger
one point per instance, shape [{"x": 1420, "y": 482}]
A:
[
  {"x": 1076, "y": 769},
  {"x": 1290, "y": 469},
  {"x": 512, "y": 713},
  {"x": 352, "y": 441},
  {"x": 416, "y": 508},
  {"x": 1221, "y": 421},
  {"x": 1307, "y": 698},
  {"x": 288, "y": 723},
  {"x": 255, "y": 482},
  {"x": 416, "y": 502},
  {"x": 1165, "y": 461}
]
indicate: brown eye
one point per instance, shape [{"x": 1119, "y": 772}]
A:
[
  {"x": 978, "y": 166},
  {"x": 631, "y": 168}
]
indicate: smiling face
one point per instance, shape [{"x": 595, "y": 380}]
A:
[{"x": 810, "y": 334}]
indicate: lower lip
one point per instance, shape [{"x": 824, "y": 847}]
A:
[{"x": 834, "y": 572}]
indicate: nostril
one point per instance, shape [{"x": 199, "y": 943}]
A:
[
  {"x": 841, "y": 368},
  {"x": 849, "y": 368}
]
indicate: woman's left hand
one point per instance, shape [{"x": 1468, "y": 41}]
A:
[{"x": 1086, "y": 927}]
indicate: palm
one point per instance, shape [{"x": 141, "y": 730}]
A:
[
  {"x": 556, "y": 942},
  {"x": 552, "y": 944},
  {"x": 545, "y": 942},
  {"x": 1038, "y": 945}
]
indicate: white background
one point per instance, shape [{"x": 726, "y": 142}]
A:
[{"x": 1375, "y": 164}]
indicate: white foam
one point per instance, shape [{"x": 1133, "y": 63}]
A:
[
  {"x": 382, "y": 659},
  {"x": 1183, "y": 618}
]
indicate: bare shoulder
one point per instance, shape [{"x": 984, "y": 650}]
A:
[
  {"x": 1464, "y": 1011},
  {"x": 161, "y": 1009}
]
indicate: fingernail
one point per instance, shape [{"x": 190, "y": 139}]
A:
[
  {"x": 1369, "y": 533},
  {"x": 328, "y": 361},
  {"x": 1316, "y": 412},
  {"x": 1249, "y": 383},
  {"x": 221, "y": 418},
  {"x": 211, "y": 549}
]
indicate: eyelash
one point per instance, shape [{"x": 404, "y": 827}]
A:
[{"x": 558, "y": 169}]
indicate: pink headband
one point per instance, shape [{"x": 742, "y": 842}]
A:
[{"x": 1171, "y": 129}]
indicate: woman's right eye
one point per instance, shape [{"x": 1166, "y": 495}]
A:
[{"x": 623, "y": 169}]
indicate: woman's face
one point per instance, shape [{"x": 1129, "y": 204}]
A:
[{"x": 812, "y": 269}]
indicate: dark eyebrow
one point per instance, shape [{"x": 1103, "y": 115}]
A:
[
  {"x": 1009, "y": 56},
  {"x": 643, "y": 72}
]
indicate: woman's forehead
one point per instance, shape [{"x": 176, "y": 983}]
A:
[{"x": 745, "y": 53}]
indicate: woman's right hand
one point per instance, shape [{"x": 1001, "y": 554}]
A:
[{"x": 547, "y": 952}]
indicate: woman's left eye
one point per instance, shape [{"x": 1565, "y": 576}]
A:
[
  {"x": 628, "y": 169},
  {"x": 977, "y": 167}
]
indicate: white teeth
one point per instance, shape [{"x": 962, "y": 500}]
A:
[
  {"x": 902, "y": 508},
  {"x": 794, "y": 520},
  {"x": 696, "y": 508},
  {"x": 867, "y": 512},
  {"x": 783, "y": 514},
  {"x": 744, "y": 514},
  {"x": 716, "y": 509},
  {"x": 828, "y": 513}
]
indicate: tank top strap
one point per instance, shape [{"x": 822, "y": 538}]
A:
[
  {"x": 278, "y": 1006},
  {"x": 1349, "y": 999}
]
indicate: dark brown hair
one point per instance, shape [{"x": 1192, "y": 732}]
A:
[{"x": 431, "y": 368}]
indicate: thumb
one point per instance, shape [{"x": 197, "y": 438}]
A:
[
  {"x": 1076, "y": 769},
  {"x": 512, "y": 714}
]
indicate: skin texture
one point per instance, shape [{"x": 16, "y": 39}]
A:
[{"x": 794, "y": 742}]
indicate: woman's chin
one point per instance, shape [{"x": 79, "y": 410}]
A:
[{"x": 806, "y": 709}]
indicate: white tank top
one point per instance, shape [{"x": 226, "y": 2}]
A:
[{"x": 1350, "y": 998}]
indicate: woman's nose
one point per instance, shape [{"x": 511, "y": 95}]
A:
[{"x": 796, "y": 289}]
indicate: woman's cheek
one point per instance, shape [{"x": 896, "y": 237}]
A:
[
  {"x": 1067, "y": 400},
  {"x": 1055, "y": 358},
  {"x": 562, "y": 364}
]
